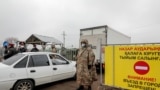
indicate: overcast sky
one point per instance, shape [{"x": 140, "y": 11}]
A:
[{"x": 139, "y": 19}]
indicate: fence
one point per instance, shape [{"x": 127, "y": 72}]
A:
[{"x": 70, "y": 54}]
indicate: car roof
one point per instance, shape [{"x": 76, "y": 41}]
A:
[{"x": 37, "y": 53}]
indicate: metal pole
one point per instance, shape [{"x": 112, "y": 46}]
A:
[
  {"x": 64, "y": 38},
  {"x": 113, "y": 69},
  {"x": 100, "y": 57}
]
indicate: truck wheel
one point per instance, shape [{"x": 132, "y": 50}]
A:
[{"x": 24, "y": 85}]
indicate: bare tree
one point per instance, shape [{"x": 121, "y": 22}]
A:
[{"x": 12, "y": 40}]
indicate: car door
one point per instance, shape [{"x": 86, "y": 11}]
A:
[
  {"x": 61, "y": 67},
  {"x": 39, "y": 69}
]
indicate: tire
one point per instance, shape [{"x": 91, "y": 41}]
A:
[
  {"x": 24, "y": 85},
  {"x": 75, "y": 77}
]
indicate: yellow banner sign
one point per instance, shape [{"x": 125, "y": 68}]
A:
[{"x": 134, "y": 67}]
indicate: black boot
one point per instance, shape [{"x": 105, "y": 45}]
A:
[
  {"x": 89, "y": 88},
  {"x": 80, "y": 87}
]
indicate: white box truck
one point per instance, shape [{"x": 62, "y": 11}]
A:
[{"x": 106, "y": 35}]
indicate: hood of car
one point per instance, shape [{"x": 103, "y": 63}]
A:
[
  {"x": 73, "y": 63},
  {"x": 3, "y": 65}
]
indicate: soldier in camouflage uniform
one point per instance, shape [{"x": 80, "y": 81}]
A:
[{"x": 85, "y": 60}]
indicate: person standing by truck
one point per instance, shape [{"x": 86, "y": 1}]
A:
[{"x": 85, "y": 60}]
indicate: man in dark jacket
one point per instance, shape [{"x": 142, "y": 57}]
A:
[
  {"x": 11, "y": 51},
  {"x": 5, "y": 50},
  {"x": 22, "y": 47},
  {"x": 34, "y": 49}
]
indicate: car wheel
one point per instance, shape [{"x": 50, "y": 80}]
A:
[
  {"x": 24, "y": 85},
  {"x": 75, "y": 77}
]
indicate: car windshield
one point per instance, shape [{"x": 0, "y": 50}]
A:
[{"x": 13, "y": 59}]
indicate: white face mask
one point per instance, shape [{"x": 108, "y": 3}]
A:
[
  {"x": 83, "y": 45},
  {"x": 22, "y": 46}
]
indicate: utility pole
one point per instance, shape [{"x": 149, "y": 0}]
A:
[{"x": 64, "y": 38}]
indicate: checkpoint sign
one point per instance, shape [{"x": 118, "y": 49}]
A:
[
  {"x": 141, "y": 68},
  {"x": 133, "y": 67}
]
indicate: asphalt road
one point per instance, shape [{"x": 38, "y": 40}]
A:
[{"x": 68, "y": 84}]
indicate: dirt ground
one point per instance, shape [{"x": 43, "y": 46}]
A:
[{"x": 70, "y": 84}]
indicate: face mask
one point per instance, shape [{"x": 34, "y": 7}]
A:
[
  {"x": 22, "y": 46},
  {"x": 83, "y": 45}
]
